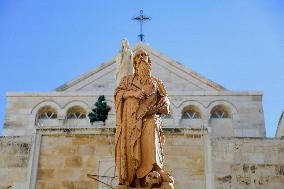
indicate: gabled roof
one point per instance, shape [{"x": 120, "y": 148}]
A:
[
  {"x": 174, "y": 74},
  {"x": 77, "y": 80}
]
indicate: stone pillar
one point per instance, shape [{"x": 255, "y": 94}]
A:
[
  {"x": 209, "y": 173},
  {"x": 33, "y": 161}
]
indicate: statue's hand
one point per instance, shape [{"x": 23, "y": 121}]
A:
[
  {"x": 153, "y": 110},
  {"x": 163, "y": 102},
  {"x": 136, "y": 94},
  {"x": 140, "y": 94},
  {"x": 163, "y": 106}
]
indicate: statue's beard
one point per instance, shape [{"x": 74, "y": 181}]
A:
[{"x": 144, "y": 74}]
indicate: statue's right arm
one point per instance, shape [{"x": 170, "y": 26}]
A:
[
  {"x": 134, "y": 94},
  {"x": 125, "y": 92},
  {"x": 128, "y": 94}
]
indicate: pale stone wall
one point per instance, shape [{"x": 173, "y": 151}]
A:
[
  {"x": 246, "y": 109},
  {"x": 14, "y": 158},
  {"x": 66, "y": 157},
  {"x": 185, "y": 158},
  {"x": 247, "y": 163},
  {"x": 66, "y": 160},
  {"x": 21, "y": 111}
]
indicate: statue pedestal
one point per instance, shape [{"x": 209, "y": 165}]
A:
[{"x": 126, "y": 187}]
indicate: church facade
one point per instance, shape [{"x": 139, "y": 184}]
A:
[{"x": 215, "y": 138}]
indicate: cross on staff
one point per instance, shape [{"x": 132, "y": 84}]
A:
[{"x": 141, "y": 19}]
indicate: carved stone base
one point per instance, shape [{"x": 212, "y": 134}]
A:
[
  {"x": 154, "y": 180},
  {"x": 126, "y": 187},
  {"x": 164, "y": 186}
]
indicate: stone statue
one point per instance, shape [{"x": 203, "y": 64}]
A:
[
  {"x": 140, "y": 99},
  {"x": 124, "y": 62}
]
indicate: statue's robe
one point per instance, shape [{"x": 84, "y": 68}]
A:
[{"x": 138, "y": 138}]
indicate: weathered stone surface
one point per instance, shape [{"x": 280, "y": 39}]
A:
[
  {"x": 15, "y": 153},
  {"x": 65, "y": 161},
  {"x": 242, "y": 162},
  {"x": 45, "y": 174},
  {"x": 256, "y": 163},
  {"x": 237, "y": 162},
  {"x": 95, "y": 154},
  {"x": 73, "y": 161}
]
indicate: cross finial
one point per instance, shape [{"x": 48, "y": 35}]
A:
[{"x": 141, "y": 18}]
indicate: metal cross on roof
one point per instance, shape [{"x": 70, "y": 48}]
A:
[{"x": 141, "y": 18}]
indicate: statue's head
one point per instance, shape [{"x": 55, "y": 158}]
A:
[
  {"x": 153, "y": 178},
  {"x": 141, "y": 57},
  {"x": 124, "y": 43},
  {"x": 142, "y": 64}
]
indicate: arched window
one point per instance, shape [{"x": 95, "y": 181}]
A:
[
  {"x": 220, "y": 112},
  {"x": 47, "y": 112},
  {"x": 76, "y": 112},
  {"x": 191, "y": 112}
]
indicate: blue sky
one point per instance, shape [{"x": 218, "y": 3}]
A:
[{"x": 238, "y": 44}]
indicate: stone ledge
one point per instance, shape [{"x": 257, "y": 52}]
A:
[
  {"x": 195, "y": 133},
  {"x": 110, "y": 93},
  {"x": 125, "y": 187},
  {"x": 247, "y": 139}
]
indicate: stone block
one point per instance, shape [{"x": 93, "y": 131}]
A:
[
  {"x": 52, "y": 162},
  {"x": 65, "y": 149},
  {"x": 73, "y": 161},
  {"x": 67, "y": 174},
  {"x": 78, "y": 140},
  {"x": 86, "y": 150},
  {"x": 48, "y": 185},
  {"x": 89, "y": 161},
  {"x": 45, "y": 174},
  {"x": 79, "y": 185}
]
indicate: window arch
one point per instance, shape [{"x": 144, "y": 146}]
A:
[
  {"x": 220, "y": 112},
  {"x": 191, "y": 112},
  {"x": 76, "y": 112},
  {"x": 47, "y": 112}
]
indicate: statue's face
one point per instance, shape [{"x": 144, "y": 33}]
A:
[
  {"x": 141, "y": 56},
  {"x": 142, "y": 65}
]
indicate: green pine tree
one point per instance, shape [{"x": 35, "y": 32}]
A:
[{"x": 100, "y": 112}]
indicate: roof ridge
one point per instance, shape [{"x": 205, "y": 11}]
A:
[{"x": 84, "y": 76}]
